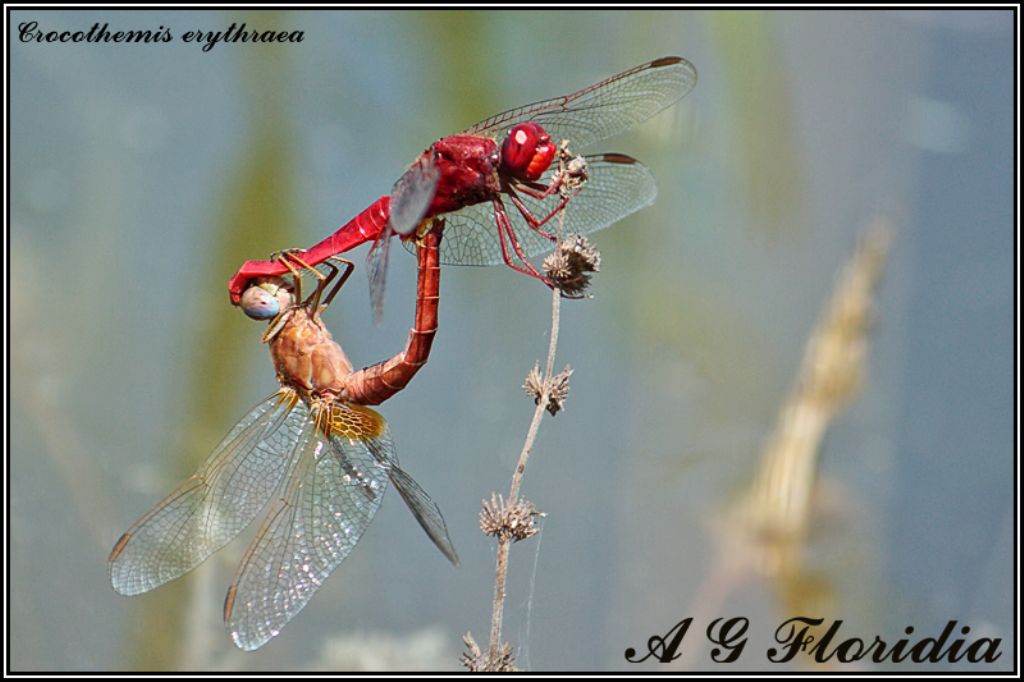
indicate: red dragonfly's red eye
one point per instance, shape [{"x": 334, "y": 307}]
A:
[{"x": 527, "y": 151}]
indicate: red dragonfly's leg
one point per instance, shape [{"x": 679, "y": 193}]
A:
[
  {"x": 536, "y": 189},
  {"x": 296, "y": 275},
  {"x": 373, "y": 385},
  {"x": 286, "y": 258},
  {"x": 349, "y": 267},
  {"x": 534, "y": 222},
  {"x": 570, "y": 176},
  {"x": 505, "y": 230},
  {"x": 313, "y": 304}
]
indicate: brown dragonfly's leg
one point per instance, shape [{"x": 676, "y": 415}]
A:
[
  {"x": 281, "y": 319},
  {"x": 279, "y": 322},
  {"x": 373, "y": 385}
]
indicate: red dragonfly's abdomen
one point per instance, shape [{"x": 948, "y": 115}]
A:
[
  {"x": 366, "y": 226},
  {"x": 373, "y": 385}
]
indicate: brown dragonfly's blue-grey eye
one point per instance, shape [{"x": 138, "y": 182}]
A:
[{"x": 259, "y": 303}]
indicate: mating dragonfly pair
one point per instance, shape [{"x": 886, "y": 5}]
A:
[{"x": 313, "y": 451}]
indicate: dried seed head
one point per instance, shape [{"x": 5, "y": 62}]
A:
[
  {"x": 520, "y": 520},
  {"x": 514, "y": 521},
  {"x": 534, "y": 384},
  {"x": 577, "y": 168},
  {"x": 572, "y": 170},
  {"x": 478, "y": 662},
  {"x": 556, "y": 266},
  {"x": 471, "y": 656},
  {"x": 558, "y": 390},
  {"x": 490, "y": 516},
  {"x": 502, "y": 662},
  {"x": 567, "y": 266}
]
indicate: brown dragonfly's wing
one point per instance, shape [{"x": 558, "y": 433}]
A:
[
  {"x": 618, "y": 185},
  {"x": 332, "y": 496},
  {"x": 602, "y": 109},
  {"x": 424, "y": 509},
  {"x": 213, "y": 505}
]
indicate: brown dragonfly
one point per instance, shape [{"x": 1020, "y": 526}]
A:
[{"x": 313, "y": 451}]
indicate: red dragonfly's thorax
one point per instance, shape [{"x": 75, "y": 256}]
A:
[
  {"x": 307, "y": 359},
  {"x": 468, "y": 166}
]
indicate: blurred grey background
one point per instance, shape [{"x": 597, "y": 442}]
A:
[{"x": 143, "y": 175}]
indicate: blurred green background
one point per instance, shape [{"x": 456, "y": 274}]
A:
[{"x": 143, "y": 175}]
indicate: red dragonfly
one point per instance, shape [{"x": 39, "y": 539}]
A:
[
  {"x": 467, "y": 178},
  {"x": 312, "y": 450}
]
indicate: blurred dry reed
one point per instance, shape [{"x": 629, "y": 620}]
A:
[{"x": 764, "y": 534}]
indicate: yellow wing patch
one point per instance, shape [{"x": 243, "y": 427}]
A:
[{"x": 356, "y": 422}]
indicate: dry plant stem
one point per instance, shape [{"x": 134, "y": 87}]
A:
[{"x": 504, "y": 540}]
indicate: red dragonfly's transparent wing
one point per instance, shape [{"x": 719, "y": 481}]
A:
[
  {"x": 603, "y": 109},
  {"x": 377, "y": 272},
  {"x": 214, "y": 504},
  {"x": 410, "y": 198},
  {"x": 617, "y": 186},
  {"x": 332, "y": 495},
  {"x": 411, "y": 195}
]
